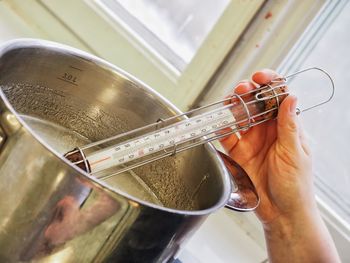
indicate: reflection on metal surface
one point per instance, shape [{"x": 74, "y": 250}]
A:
[
  {"x": 62, "y": 256},
  {"x": 59, "y": 178},
  {"x": 244, "y": 197}
]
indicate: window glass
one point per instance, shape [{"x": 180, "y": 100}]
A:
[
  {"x": 328, "y": 127},
  {"x": 174, "y": 29}
]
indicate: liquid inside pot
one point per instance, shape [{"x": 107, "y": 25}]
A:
[{"x": 61, "y": 139}]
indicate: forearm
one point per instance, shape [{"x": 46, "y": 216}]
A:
[{"x": 304, "y": 238}]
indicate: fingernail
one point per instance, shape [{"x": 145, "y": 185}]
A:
[{"x": 293, "y": 104}]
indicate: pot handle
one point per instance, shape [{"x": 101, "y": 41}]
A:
[{"x": 244, "y": 196}]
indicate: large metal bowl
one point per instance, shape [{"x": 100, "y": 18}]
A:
[{"x": 51, "y": 210}]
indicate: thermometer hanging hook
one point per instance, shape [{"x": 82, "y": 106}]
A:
[
  {"x": 284, "y": 81},
  {"x": 332, "y": 86}
]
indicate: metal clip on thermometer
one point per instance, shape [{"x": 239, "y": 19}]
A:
[{"x": 123, "y": 152}]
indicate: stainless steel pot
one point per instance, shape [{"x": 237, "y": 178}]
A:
[{"x": 50, "y": 210}]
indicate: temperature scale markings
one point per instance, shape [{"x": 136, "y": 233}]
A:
[{"x": 155, "y": 142}]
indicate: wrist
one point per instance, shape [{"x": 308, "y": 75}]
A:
[
  {"x": 294, "y": 223},
  {"x": 300, "y": 237}
]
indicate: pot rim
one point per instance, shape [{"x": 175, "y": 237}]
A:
[{"x": 61, "y": 48}]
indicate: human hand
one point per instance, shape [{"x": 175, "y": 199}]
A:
[{"x": 276, "y": 157}]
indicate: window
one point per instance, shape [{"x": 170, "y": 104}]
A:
[
  {"x": 173, "y": 29},
  {"x": 328, "y": 127}
]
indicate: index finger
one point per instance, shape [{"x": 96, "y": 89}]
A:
[
  {"x": 264, "y": 76},
  {"x": 242, "y": 87}
]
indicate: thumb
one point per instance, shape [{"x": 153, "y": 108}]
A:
[{"x": 287, "y": 123}]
